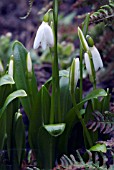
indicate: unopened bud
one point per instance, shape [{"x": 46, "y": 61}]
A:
[
  {"x": 10, "y": 68},
  {"x": 29, "y": 64},
  {"x": 74, "y": 75},
  {"x": 83, "y": 40},
  {"x": 1, "y": 67},
  {"x": 90, "y": 41}
]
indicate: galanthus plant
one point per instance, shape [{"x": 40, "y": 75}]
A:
[{"x": 52, "y": 115}]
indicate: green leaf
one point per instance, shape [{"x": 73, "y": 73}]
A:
[
  {"x": 2, "y": 130},
  {"x": 46, "y": 149},
  {"x": 106, "y": 102},
  {"x": 99, "y": 148},
  {"x": 22, "y": 81},
  {"x": 6, "y": 79},
  {"x": 65, "y": 97},
  {"x": 11, "y": 97},
  {"x": 45, "y": 104},
  {"x": 87, "y": 117},
  {"x": 94, "y": 94},
  {"x": 19, "y": 137},
  {"x": 55, "y": 129}
]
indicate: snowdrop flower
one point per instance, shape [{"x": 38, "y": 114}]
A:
[
  {"x": 44, "y": 36},
  {"x": 10, "y": 68},
  {"x": 74, "y": 74},
  {"x": 97, "y": 61},
  {"x": 29, "y": 63}
]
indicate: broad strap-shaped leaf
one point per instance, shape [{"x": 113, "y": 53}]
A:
[
  {"x": 65, "y": 98},
  {"x": 89, "y": 116},
  {"x": 23, "y": 81},
  {"x": 45, "y": 104},
  {"x": 19, "y": 134},
  {"x": 94, "y": 94},
  {"x": 6, "y": 79},
  {"x": 47, "y": 151},
  {"x": 37, "y": 119},
  {"x": 11, "y": 97},
  {"x": 55, "y": 129},
  {"x": 2, "y": 130}
]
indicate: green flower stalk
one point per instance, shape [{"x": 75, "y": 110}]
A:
[
  {"x": 73, "y": 79},
  {"x": 55, "y": 98}
]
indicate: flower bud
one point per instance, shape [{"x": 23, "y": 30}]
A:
[
  {"x": 11, "y": 64},
  {"x": 90, "y": 41},
  {"x": 29, "y": 63},
  {"x": 74, "y": 75},
  {"x": 83, "y": 40},
  {"x": 1, "y": 68}
]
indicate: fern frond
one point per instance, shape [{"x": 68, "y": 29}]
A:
[
  {"x": 104, "y": 122},
  {"x": 104, "y": 14},
  {"x": 29, "y": 9},
  {"x": 72, "y": 163}
]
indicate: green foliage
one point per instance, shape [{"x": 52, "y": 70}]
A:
[{"x": 12, "y": 134}]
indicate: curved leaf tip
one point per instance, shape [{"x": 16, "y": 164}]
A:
[
  {"x": 55, "y": 129},
  {"x": 16, "y": 43}
]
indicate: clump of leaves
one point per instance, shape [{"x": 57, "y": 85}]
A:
[{"x": 104, "y": 122}]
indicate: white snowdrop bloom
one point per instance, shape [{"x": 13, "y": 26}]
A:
[
  {"x": 97, "y": 61},
  {"x": 87, "y": 63},
  {"x": 44, "y": 36},
  {"x": 29, "y": 63},
  {"x": 10, "y": 69}
]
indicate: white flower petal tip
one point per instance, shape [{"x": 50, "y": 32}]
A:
[
  {"x": 44, "y": 36},
  {"x": 10, "y": 69},
  {"x": 74, "y": 75},
  {"x": 77, "y": 67},
  {"x": 96, "y": 58},
  {"x": 29, "y": 63},
  {"x": 87, "y": 63},
  {"x": 1, "y": 67}
]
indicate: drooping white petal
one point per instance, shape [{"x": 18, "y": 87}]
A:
[
  {"x": 96, "y": 58},
  {"x": 87, "y": 63},
  {"x": 44, "y": 42},
  {"x": 76, "y": 71},
  {"x": 39, "y": 36},
  {"x": 49, "y": 35}
]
